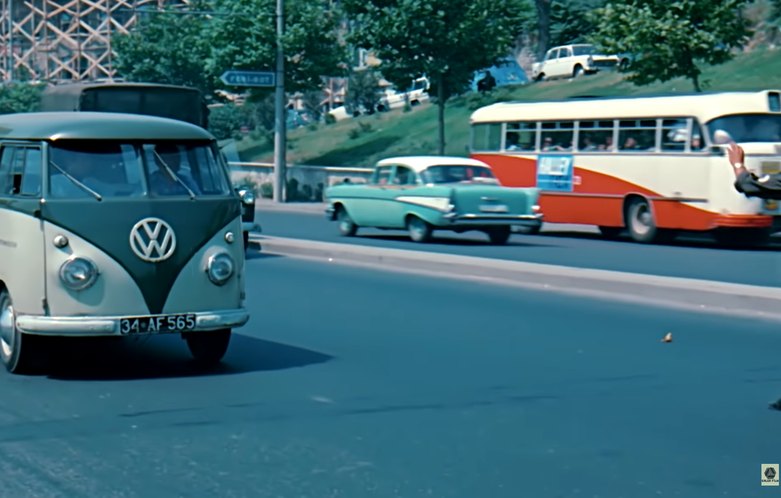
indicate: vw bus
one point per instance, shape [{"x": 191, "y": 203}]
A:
[
  {"x": 153, "y": 99},
  {"x": 116, "y": 225}
]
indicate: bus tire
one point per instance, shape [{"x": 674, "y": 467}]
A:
[
  {"x": 17, "y": 350},
  {"x": 641, "y": 224},
  {"x": 208, "y": 348}
]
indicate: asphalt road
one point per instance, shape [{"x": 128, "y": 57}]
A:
[
  {"x": 689, "y": 257},
  {"x": 354, "y": 383}
]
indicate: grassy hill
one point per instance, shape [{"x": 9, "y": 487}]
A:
[{"x": 363, "y": 140}]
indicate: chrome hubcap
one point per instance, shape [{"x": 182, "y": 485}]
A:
[
  {"x": 643, "y": 220},
  {"x": 6, "y": 327}
]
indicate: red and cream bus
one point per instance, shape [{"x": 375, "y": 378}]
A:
[{"x": 647, "y": 164}]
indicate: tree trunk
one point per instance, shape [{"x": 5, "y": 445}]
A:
[
  {"x": 543, "y": 27},
  {"x": 441, "y": 109}
]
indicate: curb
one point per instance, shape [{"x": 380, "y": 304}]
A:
[{"x": 648, "y": 290}]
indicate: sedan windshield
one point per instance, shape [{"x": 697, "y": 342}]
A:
[
  {"x": 80, "y": 168},
  {"x": 749, "y": 127},
  {"x": 458, "y": 173}
]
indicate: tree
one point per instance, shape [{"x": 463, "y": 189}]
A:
[
  {"x": 194, "y": 46},
  {"x": 543, "y": 26},
  {"x": 244, "y": 37},
  {"x": 446, "y": 40},
  {"x": 167, "y": 46},
  {"x": 671, "y": 39},
  {"x": 20, "y": 97},
  {"x": 363, "y": 91}
]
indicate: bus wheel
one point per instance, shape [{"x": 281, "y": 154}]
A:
[
  {"x": 419, "y": 230},
  {"x": 17, "y": 350},
  {"x": 208, "y": 348},
  {"x": 640, "y": 221}
]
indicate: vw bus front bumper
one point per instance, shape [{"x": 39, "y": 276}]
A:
[{"x": 89, "y": 326}]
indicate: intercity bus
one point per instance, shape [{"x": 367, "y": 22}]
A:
[{"x": 650, "y": 165}]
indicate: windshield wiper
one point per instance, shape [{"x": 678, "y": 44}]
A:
[
  {"x": 174, "y": 175},
  {"x": 75, "y": 181}
]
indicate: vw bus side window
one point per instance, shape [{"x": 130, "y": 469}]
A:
[
  {"x": 79, "y": 169},
  {"x": 184, "y": 169},
  {"x": 20, "y": 171}
]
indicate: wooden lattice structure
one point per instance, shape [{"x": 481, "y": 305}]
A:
[{"x": 64, "y": 40}]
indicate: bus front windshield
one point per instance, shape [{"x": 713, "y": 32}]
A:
[
  {"x": 98, "y": 169},
  {"x": 749, "y": 127},
  {"x": 457, "y": 174}
]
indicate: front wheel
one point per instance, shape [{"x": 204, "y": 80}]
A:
[
  {"x": 208, "y": 348},
  {"x": 419, "y": 230},
  {"x": 347, "y": 226},
  {"x": 17, "y": 350},
  {"x": 641, "y": 224}
]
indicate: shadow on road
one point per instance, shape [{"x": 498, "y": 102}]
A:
[
  {"x": 101, "y": 359},
  {"x": 439, "y": 240},
  {"x": 683, "y": 240}
]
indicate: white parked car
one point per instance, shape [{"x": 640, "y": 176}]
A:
[{"x": 571, "y": 61}]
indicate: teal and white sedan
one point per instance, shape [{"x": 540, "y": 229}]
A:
[{"x": 426, "y": 193}]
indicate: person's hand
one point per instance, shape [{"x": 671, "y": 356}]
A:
[{"x": 736, "y": 156}]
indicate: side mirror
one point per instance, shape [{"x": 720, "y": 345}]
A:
[
  {"x": 721, "y": 137},
  {"x": 247, "y": 196}
]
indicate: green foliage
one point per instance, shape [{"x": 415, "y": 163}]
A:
[
  {"x": 20, "y": 97},
  {"x": 363, "y": 91},
  {"x": 447, "y": 40},
  {"x": 245, "y": 38},
  {"x": 227, "y": 120},
  {"x": 362, "y": 129},
  {"x": 166, "y": 47},
  {"x": 671, "y": 39},
  {"x": 194, "y": 49},
  {"x": 267, "y": 190},
  {"x": 571, "y": 22}
]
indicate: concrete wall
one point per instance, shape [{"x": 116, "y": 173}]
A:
[{"x": 305, "y": 182}]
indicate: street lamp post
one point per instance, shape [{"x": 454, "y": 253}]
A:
[{"x": 280, "y": 138}]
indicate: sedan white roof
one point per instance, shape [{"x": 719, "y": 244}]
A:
[{"x": 419, "y": 163}]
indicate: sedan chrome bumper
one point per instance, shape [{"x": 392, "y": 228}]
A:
[
  {"x": 109, "y": 325},
  {"x": 526, "y": 220}
]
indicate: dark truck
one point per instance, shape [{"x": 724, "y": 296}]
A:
[{"x": 169, "y": 101}]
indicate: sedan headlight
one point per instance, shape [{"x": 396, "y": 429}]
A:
[
  {"x": 247, "y": 196},
  {"x": 78, "y": 273},
  {"x": 220, "y": 268}
]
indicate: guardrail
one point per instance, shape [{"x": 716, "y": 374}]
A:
[{"x": 305, "y": 181}]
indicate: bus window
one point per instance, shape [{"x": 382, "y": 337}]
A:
[
  {"x": 675, "y": 133},
  {"x": 557, "y": 135},
  {"x": 595, "y": 135},
  {"x": 521, "y": 136},
  {"x": 637, "y": 135},
  {"x": 697, "y": 142},
  {"x": 487, "y": 137}
]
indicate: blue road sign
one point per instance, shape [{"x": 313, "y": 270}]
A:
[{"x": 248, "y": 78}]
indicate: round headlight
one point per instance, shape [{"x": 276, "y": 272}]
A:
[
  {"x": 247, "y": 196},
  {"x": 78, "y": 273},
  {"x": 220, "y": 268}
]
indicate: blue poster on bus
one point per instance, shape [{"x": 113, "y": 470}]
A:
[{"x": 554, "y": 172}]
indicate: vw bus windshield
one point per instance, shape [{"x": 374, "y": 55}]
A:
[
  {"x": 458, "y": 173},
  {"x": 79, "y": 169},
  {"x": 749, "y": 127}
]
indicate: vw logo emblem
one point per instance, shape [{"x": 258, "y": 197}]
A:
[{"x": 152, "y": 240}]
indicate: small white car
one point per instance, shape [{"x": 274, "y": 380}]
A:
[{"x": 571, "y": 61}]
